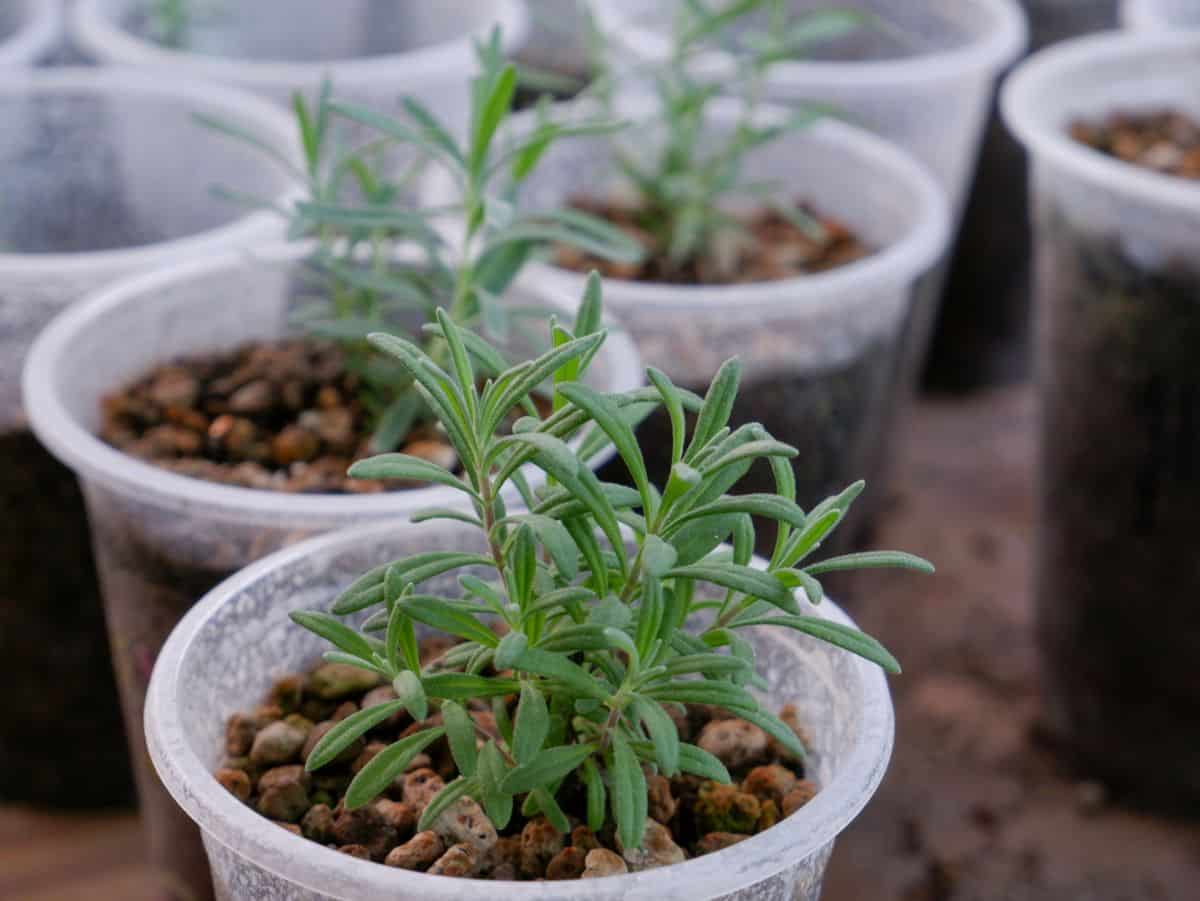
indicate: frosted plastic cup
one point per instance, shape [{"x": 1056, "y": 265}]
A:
[
  {"x": 375, "y": 51},
  {"x": 161, "y": 539},
  {"x": 1118, "y": 322},
  {"x": 102, "y": 174},
  {"x": 226, "y": 651},
  {"x": 819, "y": 351},
  {"x": 30, "y": 30},
  {"x": 1160, "y": 14}
]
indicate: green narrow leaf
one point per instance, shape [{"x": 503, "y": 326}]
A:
[
  {"x": 718, "y": 405},
  {"x": 467, "y": 687},
  {"x": 411, "y": 693},
  {"x": 555, "y": 666},
  {"x": 495, "y": 107},
  {"x": 374, "y": 778},
  {"x": 443, "y": 801},
  {"x": 871, "y": 560},
  {"x": 747, "y": 580},
  {"x": 606, "y": 415},
  {"x": 700, "y": 763},
  {"x": 628, "y": 792},
  {"x": 510, "y": 648},
  {"x": 523, "y": 559},
  {"x": 844, "y": 637},
  {"x": 490, "y": 773},
  {"x": 460, "y": 730},
  {"x": 674, "y": 407},
  {"x": 347, "y": 731},
  {"x": 663, "y": 734},
  {"x": 412, "y": 469},
  {"x": 532, "y": 724},
  {"x": 549, "y": 766},
  {"x": 334, "y": 632},
  {"x": 597, "y": 795},
  {"x": 438, "y": 614}
]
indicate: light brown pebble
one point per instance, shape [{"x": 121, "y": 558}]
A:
[
  {"x": 359, "y": 851},
  {"x": 317, "y": 824},
  {"x": 283, "y": 793},
  {"x": 417, "y": 853},
  {"x": 718, "y": 841},
  {"x": 236, "y": 782},
  {"x": 583, "y": 837},
  {"x": 335, "y": 681},
  {"x": 464, "y": 822},
  {"x": 420, "y": 786},
  {"x": 803, "y": 792},
  {"x": 603, "y": 862},
  {"x": 735, "y": 743},
  {"x": 396, "y": 814},
  {"x": 661, "y": 803},
  {"x": 769, "y": 783},
  {"x": 461, "y": 860},
  {"x": 278, "y": 743},
  {"x": 290, "y": 827},
  {"x": 569, "y": 863},
  {"x": 239, "y": 734},
  {"x": 288, "y": 693},
  {"x": 725, "y": 808},
  {"x": 658, "y": 849},
  {"x": 436, "y": 452},
  {"x": 540, "y": 842}
]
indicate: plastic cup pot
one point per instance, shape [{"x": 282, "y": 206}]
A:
[
  {"x": 818, "y": 351},
  {"x": 231, "y": 645},
  {"x": 1160, "y": 14},
  {"x": 1117, "y": 329},
  {"x": 103, "y": 174},
  {"x": 162, "y": 539},
  {"x": 374, "y": 51},
  {"x": 30, "y": 31}
]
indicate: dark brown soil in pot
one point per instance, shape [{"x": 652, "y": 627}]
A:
[
  {"x": 1166, "y": 141},
  {"x": 61, "y": 739},
  {"x": 1119, "y": 573},
  {"x": 266, "y": 748},
  {"x": 769, "y": 247},
  {"x": 285, "y": 416}
]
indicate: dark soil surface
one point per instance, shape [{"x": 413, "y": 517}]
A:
[
  {"x": 61, "y": 739},
  {"x": 1166, "y": 141},
  {"x": 280, "y": 417},
  {"x": 976, "y": 805},
  {"x": 771, "y": 248},
  {"x": 689, "y": 816}
]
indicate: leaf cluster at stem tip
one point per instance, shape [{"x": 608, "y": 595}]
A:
[
  {"x": 383, "y": 259},
  {"x": 576, "y": 603}
]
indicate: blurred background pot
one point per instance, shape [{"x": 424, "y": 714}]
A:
[
  {"x": 1118, "y": 321},
  {"x": 375, "y": 51},
  {"x": 161, "y": 539},
  {"x": 982, "y": 336},
  {"x": 103, "y": 174},
  {"x": 30, "y": 31},
  {"x": 231, "y": 645},
  {"x": 1160, "y": 14},
  {"x": 818, "y": 352}
]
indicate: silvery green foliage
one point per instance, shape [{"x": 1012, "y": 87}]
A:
[
  {"x": 681, "y": 185},
  {"x": 582, "y": 608},
  {"x": 383, "y": 261}
]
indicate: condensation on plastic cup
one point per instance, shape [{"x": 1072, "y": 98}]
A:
[
  {"x": 162, "y": 539},
  {"x": 34, "y": 29},
  {"x": 363, "y": 68},
  {"x": 1160, "y": 14},
  {"x": 233, "y": 643}
]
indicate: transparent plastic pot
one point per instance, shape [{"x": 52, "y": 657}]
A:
[
  {"x": 1160, "y": 14},
  {"x": 231, "y": 645},
  {"x": 30, "y": 30},
  {"x": 103, "y": 174},
  {"x": 1118, "y": 324},
  {"x": 375, "y": 51},
  {"x": 161, "y": 539},
  {"x": 818, "y": 352}
]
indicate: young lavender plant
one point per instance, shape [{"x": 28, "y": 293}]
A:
[
  {"x": 579, "y": 607},
  {"x": 681, "y": 186},
  {"x": 383, "y": 261}
]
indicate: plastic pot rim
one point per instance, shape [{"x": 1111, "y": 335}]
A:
[
  {"x": 41, "y": 26},
  {"x": 319, "y": 869},
  {"x": 99, "y": 35},
  {"x": 1045, "y": 137},
  {"x": 91, "y": 458},
  {"x": 901, "y": 260},
  {"x": 995, "y": 49},
  {"x": 119, "y": 81}
]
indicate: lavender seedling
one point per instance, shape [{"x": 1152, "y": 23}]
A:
[
  {"x": 584, "y": 607},
  {"x": 383, "y": 260}
]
